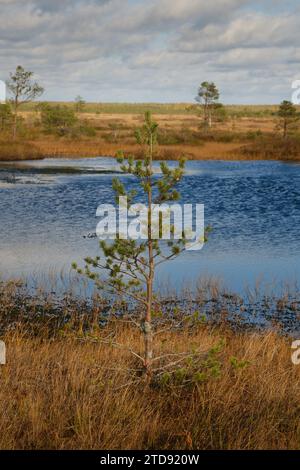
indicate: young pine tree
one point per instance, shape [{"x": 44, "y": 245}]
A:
[
  {"x": 208, "y": 96},
  {"x": 23, "y": 90},
  {"x": 288, "y": 117},
  {"x": 130, "y": 265}
]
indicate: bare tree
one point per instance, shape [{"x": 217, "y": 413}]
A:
[{"x": 23, "y": 90}]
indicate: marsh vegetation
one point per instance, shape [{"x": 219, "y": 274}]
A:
[
  {"x": 65, "y": 385},
  {"x": 206, "y": 130}
]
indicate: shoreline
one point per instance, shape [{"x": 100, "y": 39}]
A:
[
  {"x": 225, "y": 307},
  {"x": 209, "y": 151}
]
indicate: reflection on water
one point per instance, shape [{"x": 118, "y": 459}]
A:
[{"x": 254, "y": 208}]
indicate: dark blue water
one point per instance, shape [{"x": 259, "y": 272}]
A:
[{"x": 47, "y": 207}]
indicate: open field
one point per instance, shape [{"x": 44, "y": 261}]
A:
[
  {"x": 248, "y": 132},
  {"x": 166, "y": 108},
  {"x": 110, "y": 120}
]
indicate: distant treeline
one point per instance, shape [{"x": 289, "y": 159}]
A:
[{"x": 164, "y": 108}]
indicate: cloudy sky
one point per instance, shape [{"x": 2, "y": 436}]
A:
[{"x": 154, "y": 50}]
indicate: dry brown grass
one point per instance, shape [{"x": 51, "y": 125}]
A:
[
  {"x": 237, "y": 138},
  {"x": 11, "y": 151},
  {"x": 208, "y": 150},
  {"x": 73, "y": 394},
  {"x": 107, "y": 121},
  {"x": 272, "y": 147}
]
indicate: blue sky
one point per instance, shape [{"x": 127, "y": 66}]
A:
[{"x": 154, "y": 50}]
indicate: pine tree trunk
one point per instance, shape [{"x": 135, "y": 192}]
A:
[
  {"x": 14, "y": 133},
  {"x": 285, "y": 130},
  {"x": 209, "y": 118},
  {"x": 206, "y": 115},
  {"x": 148, "y": 336}
]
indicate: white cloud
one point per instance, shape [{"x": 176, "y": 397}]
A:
[
  {"x": 152, "y": 49},
  {"x": 249, "y": 31}
]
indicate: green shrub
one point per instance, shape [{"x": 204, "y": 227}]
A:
[
  {"x": 176, "y": 137},
  {"x": 58, "y": 119},
  {"x": 62, "y": 120},
  {"x": 252, "y": 135},
  {"x": 5, "y": 117}
]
